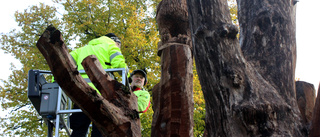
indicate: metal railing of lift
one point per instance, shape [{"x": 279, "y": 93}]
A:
[{"x": 69, "y": 111}]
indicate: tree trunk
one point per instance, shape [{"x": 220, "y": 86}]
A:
[
  {"x": 248, "y": 92},
  {"x": 306, "y": 98},
  {"x": 315, "y": 125},
  {"x": 115, "y": 112},
  {"x": 173, "y": 96}
]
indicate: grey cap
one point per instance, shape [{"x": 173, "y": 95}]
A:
[{"x": 141, "y": 72}]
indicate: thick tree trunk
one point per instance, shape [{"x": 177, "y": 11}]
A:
[
  {"x": 250, "y": 93},
  {"x": 115, "y": 112},
  {"x": 268, "y": 42},
  {"x": 173, "y": 96}
]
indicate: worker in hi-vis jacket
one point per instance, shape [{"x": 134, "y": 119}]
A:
[
  {"x": 107, "y": 50},
  {"x": 138, "y": 79}
]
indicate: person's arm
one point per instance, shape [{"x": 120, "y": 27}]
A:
[{"x": 117, "y": 59}]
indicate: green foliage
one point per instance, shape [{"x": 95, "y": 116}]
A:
[
  {"x": 233, "y": 11},
  {"x": 23, "y": 119},
  {"x": 199, "y": 106}
]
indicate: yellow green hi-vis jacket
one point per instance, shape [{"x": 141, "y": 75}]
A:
[{"x": 106, "y": 51}]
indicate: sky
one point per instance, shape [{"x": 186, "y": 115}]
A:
[{"x": 308, "y": 47}]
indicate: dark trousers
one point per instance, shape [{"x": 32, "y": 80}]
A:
[{"x": 79, "y": 123}]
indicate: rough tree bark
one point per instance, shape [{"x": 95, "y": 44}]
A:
[
  {"x": 248, "y": 92},
  {"x": 114, "y": 112},
  {"x": 173, "y": 96}
]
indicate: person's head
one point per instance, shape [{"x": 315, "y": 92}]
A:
[
  {"x": 114, "y": 38},
  {"x": 138, "y": 78}
]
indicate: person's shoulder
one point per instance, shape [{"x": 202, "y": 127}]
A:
[
  {"x": 76, "y": 50},
  {"x": 105, "y": 39},
  {"x": 144, "y": 91},
  {"x": 101, "y": 40}
]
